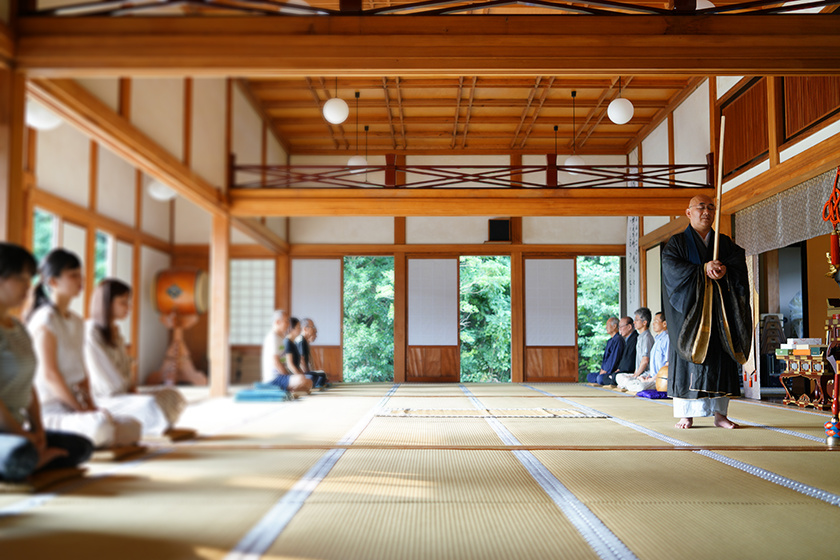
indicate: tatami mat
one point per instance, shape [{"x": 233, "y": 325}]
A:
[
  {"x": 428, "y": 431},
  {"x": 440, "y": 531},
  {"x": 575, "y": 432},
  {"x": 428, "y": 476}
]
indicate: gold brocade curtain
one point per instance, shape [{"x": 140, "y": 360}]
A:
[{"x": 788, "y": 217}]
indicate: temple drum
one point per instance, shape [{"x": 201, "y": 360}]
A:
[
  {"x": 182, "y": 291},
  {"x": 662, "y": 379}
]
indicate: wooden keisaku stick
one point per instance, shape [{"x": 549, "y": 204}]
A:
[{"x": 719, "y": 187}]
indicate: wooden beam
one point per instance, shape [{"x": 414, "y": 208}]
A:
[
  {"x": 560, "y": 251},
  {"x": 7, "y": 46},
  {"x": 400, "y": 316},
  {"x": 461, "y": 202},
  {"x": 95, "y": 119},
  {"x": 261, "y": 234},
  {"x": 775, "y": 118},
  {"x": 12, "y": 181},
  {"x": 735, "y": 44},
  {"x": 219, "y": 369}
]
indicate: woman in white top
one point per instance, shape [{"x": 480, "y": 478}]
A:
[
  {"x": 109, "y": 365},
  {"x": 61, "y": 379},
  {"x": 24, "y": 444}
]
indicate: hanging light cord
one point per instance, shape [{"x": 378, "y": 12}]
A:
[
  {"x": 555, "y": 140},
  {"x": 574, "y": 128},
  {"x": 357, "y": 123}
]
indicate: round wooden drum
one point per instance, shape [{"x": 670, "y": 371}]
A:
[{"x": 180, "y": 290}]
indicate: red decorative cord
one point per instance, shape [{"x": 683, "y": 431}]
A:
[{"x": 831, "y": 210}]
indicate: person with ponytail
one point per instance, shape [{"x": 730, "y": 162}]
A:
[
  {"x": 109, "y": 365},
  {"x": 61, "y": 378},
  {"x": 24, "y": 444}
]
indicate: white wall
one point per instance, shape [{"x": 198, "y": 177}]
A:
[
  {"x": 317, "y": 294},
  {"x": 725, "y": 83},
  {"x": 344, "y": 230},
  {"x": 653, "y": 275},
  {"x": 106, "y": 90},
  {"x": 443, "y": 230},
  {"x": 155, "y": 214},
  {"x": 433, "y": 302},
  {"x": 207, "y": 153},
  {"x": 154, "y": 337},
  {"x": 570, "y": 230},
  {"x": 157, "y": 109},
  {"x": 115, "y": 192},
  {"x": 62, "y": 164},
  {"x": 192, "y": 224},
  {"x": 550, "y": 302},
  {"x": 247, "y": 134},
  {"x": 655, "y": 146},
  {"x": 691, "y": 132}
]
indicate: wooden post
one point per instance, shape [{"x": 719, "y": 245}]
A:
[
  {"x": 12, "y": 107},
  {"x": 517, "y": 317},
  {"x": 219, "y": 370},
  {"x": 551, "y": 171},
  {"x": 775, "y": 119},
  {"x": 400, "y": 316},
  {"x": 390, "y": 170}
]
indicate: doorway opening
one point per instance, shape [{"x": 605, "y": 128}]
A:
[
  {"x": 485, "y": 319},
  {"x": 368, "y": 345}
]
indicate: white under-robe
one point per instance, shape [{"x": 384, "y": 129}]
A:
[{"x": 109, "y": 368}]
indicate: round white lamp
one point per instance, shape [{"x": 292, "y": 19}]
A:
[
  {"x": 620, "y": 111},
  {"x": 41, "y": 118},
  {"x": 574, "y": 160},
  {"x": 161, "y": 192},
  {"x": 358, "y": 163},
  {"x": 336, "y": 110},
  {"x": 703, "y": 4}
]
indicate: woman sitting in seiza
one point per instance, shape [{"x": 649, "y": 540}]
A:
[
  {"x": 109, "y": 365},
  {"x": 25, "y": 446},
  {"x": 61, "y": 379}
]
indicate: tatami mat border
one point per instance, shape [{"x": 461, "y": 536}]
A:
[
  {"x": 764, "y": 474},
  {"x": 600, "y": 538}
]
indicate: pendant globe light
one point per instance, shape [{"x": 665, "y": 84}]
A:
[
  {"x": 359, "y": 163},
  {"x": 574, "y": 159},
  {"x": 620, "y": 111},
  {"x": 160, "y": 192},
  {"x": 335, "y": 110},
  {"x": 40, "y": 118}
]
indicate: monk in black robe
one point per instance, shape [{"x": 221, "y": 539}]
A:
[{"x": 707, "y": 303}]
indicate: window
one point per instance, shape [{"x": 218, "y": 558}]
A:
[
  {"x": 43, "y": 233},
  {"x": 251, "y": 300}
]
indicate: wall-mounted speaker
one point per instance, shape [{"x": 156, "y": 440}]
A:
[{"x": 499, "y": 230}]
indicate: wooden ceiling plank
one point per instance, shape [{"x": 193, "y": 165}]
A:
[
  {"x": 457, "y": 111},
  {"x": 469, "y": 113},
  {"x": 388, "y": 109},
  {"x": 603, "y": 113},
  {"x": 318, "y": 104},
  {"x": 401, "y": 110}
]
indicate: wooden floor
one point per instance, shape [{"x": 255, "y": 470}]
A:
[{"x": 495, "y": 471}]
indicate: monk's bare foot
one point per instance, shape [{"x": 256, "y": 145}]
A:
[
  {"x": 722, "y": 421},
  {"x": 684, "y": 423}
]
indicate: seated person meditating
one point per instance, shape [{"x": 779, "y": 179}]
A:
[
  {"x": 25, "y": 446},
  {"x": 644, "y": 343},
  {"x": 292, "y": 356},
  {"x": 658, "y": 358},
  {"x": 304, "y": 339},
  {"x": 612, "y": 352},
  {"x": 273, "y": 357},
  {"x": 109, "y": 365},
  {"x": 61, "y": 377},
  {"x": 627, "y": 360}
]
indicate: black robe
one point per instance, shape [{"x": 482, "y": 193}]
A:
[{"x": 684, "y": 284}]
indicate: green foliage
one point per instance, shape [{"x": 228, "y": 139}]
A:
[
  {"x": 485, "y": 319},
  {"x": 43, "y": 234},
  {"x": 598, "y": 281},
  {"x": 368, "y": 319},
  {"x": 100, "y": 262}
]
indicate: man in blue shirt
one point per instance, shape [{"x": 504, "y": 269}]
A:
[{"x": 612, "y": 352}]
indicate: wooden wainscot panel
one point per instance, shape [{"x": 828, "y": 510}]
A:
[
  {"x": 433, "y": 364},
  {"x": 245, "y": 364},
  {"x": 556, "y": 364},
  {"x": 747, "y": 137},
  {"x": 330, "y": 360}
]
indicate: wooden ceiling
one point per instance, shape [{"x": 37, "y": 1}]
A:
[{"x": 466, "y": 114}]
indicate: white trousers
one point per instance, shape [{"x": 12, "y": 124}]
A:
[
  {"x": 634, "y": 384},
  {"x": 99, "y": 426},
  {"x": 691, "y": 408}
]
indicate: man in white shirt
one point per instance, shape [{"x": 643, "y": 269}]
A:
[
  {"x": 645, "y": 381},
  {"x": 273, "y": 348}
]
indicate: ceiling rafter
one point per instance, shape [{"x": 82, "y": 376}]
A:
[
  {"x": 469, "y": 113},
  {"x": 543, "y": 96},
  {"x": 603, "y": 113},
  {"x": 525, "y": 110},
  {"x": 388, "y": 111},
  {"x": 317, "y": 100},
  {"x": 401, "y": 111},
  {"x": 457, "y": 111}
]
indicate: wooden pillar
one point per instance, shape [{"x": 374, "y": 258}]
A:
[
  {"x": 390, "y": 170},
  {"x": 400, "y": 315},
  {"x": 283, "y": 282},
  {"x": 219, "y": 369},
  {"x": 551, "y": 171},
  {"x": 12, "y": 192},
  {"x": 517, "y": 317}
]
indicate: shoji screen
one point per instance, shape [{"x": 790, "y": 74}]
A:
[
  {"x": 317, "y": 288},
  {"x": 550, "y": 320},
  {"x": 433, "y": 320}
]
